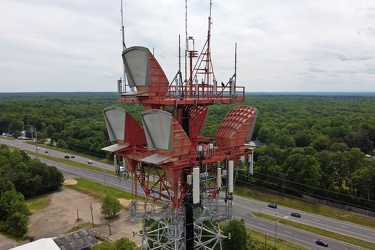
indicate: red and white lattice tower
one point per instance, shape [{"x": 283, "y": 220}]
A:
[{"x": 186, "y": 180}]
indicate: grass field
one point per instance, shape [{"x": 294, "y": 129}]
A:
[{"x": 38, "y": 203}]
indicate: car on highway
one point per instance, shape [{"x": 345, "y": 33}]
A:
[
  {"x": 89, "y": 161},
  {"x": 272, "y": 205},
  {"x": 67, "y": 156},
  {"x": 298, "y": 215},
  {"x": 72, "y": 156},
  {"x": 46, "y": 151},
  {"x": 120, "y": 170},
  {"x": 321, "y": 243}
]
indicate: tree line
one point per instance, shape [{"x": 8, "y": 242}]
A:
[
  {"x": 311, "y": 144},
  {"x": 317, "y": 145}
]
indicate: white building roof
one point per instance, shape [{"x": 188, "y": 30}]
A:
[{"x": 41, "y": 244}]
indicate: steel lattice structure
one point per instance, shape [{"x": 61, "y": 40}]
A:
[{"x": 186, "y": 180}]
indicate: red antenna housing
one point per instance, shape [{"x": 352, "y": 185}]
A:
[{"x": 166, "y": 153}]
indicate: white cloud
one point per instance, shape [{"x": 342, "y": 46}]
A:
[{"x": 288, "y": 45}]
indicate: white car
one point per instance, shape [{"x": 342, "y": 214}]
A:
[
  {"x": 89, "y": 161},
  {"x": 120, "y": 170}
]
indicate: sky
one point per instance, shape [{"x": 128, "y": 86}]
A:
[{"x": 282, "y": 46}]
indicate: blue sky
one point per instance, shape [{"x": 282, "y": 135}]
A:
[{"x": 283, "y": 46}]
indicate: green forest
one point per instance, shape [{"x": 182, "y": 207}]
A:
[{"x": 320, "y": 145}]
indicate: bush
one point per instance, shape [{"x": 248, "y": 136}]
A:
[{"x": 120, "y": 244}]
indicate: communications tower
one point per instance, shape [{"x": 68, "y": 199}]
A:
[{"x": 182, "y": 182}]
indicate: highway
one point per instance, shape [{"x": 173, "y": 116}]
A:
[
  {"x": 329, "y": 224},
  {"x": 242, "y": 207}
]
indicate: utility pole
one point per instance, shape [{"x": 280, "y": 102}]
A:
[
  {"x": 92, "y": 216},
  {"x": 109, "y": 227},
  {"x": 36, "y": 141},
  {"x": 265, "y": 240},
  {"x": 275, "y": 227}
]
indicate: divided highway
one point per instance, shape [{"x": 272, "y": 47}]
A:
[{"x": 242, "y": 207}]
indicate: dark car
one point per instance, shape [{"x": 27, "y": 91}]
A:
[
  {"x": 272, "y": 205},
  {"x": 321, "y": 243},
  {"x": 46, "y": 151},
  {"x": 72, "y": 156},
  {"x": 296, "y": 215},
  {"x": 67, "y": 156}
]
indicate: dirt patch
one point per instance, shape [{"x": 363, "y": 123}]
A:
[
  {"x": 70, "y": 182},
  {"x": 6, "y": 243},
  {"x": 70, "y": 210}
]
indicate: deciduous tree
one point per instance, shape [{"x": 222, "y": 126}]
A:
[
  {"x": 110, "y": 206},
  {"x": 235, "y": 231}
]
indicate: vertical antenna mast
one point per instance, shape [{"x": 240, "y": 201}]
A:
[
  {"x": 186, "y": 40},
  {"x": 122, "y": 28},
  {"x": 179, "y": 55},
  {"x": 208, "y": 64},
  {"x": 235, "y": 65},
  {"x": 209, "y": 25},
  {"x": 123, "y": 82}
]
